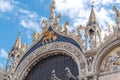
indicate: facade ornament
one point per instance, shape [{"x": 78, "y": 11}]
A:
[
  {"x": 49, "y": 35},
  {"x": 35, "y": 36},
  {"x": 44, "y": 24},
  {"x": 58, "y": 17},
  {"x": 65, "y": 31},
  {"x": 53, "y": 76},
  {"x": 52, "y": 10},
  {"x": 72, "y": 33},
  {"x": 69, "y": 75},
  {"x": 116, "y": 11},
  {"x": 79, "y": 35},
  {"x": 24, "y": 47},
  {"x": 90, "y": 61},
  {"x": 79, "y": 28}
]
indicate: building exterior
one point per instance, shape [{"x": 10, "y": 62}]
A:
[{"x": 57, "y": 54}]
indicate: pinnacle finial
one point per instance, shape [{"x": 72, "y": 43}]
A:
[
  {"x": 92, "y": 4},
  {"x": 17, "y": 44},
  {"x": 52, "y": 9}
]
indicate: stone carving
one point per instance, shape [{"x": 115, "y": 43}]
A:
[
  {"x": 79, "y": 28},
  {"x": 58, "y": 17},
  {"x": 44, "y": 24},
  {"x": 111, "y": 62},
  {"x": 53, "y": 76},
  {"x": 65, "y": 31},
  {"x": 69, "y": 75},
  {"x": 116, "y": 11},
  {"x": 35, "y": 36},
  {"x": 49, "y": 36},
  {"x": 72, "y": 33},
  {"x": 90, "y": 61}
]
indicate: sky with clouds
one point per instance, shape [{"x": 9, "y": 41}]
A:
[{"x": 26, "y": 16}]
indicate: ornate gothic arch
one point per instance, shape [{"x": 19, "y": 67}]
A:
[
  {"x": 46, "y": 50},
  {"x": 103, "y": 52}
]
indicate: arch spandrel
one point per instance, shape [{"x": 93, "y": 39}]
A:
[{"x": 62, "y": 47}]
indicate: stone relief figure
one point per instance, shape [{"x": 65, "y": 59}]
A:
[
  {"x": 90, "y": 60},
  {"x": 116, "y": 11},
  {"x": 69, "y": 75},
  {"x": 117, "y": 59},
  {"x": 53, "y": 76}
]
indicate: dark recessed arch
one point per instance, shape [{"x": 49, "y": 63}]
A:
[{"x": 42, "y": 70}]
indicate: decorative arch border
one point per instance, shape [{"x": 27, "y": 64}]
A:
[
  {"x": 103, "y": 52},
  {"x": 47, "y": 50}
]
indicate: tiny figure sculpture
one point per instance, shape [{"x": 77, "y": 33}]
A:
[
  {"x": 58, "y": 17},
  {"x": 44, "y": 24},
  {"x": 65, "y": 28},
  {"x": 72, "y": 33},
  {"x": 90, "y": 60},
  {"x": 35, "y": 36},
  {"x": 69, "y": 75},
  {"x": 53, "y": 76},
  {"x": 79, "y": 28},
  {"x": 24, "y": 47}
]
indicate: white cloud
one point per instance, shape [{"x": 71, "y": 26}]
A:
[
  {"x": 3, "y": 53},
  {"x": 6, "y": 5},
  {"x": 30, "y": 24},
  {"x": 79, "y": 10}
]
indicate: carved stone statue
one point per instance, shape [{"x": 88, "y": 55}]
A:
[
  {"x": 53, "y": 76},
  {"x": 79, "y": 28},
  {"x": 71, "y": 34},
  {"x": 58, "y": 17},
  {"x": 69, "y": 75},
  {"x": 35, "y": 36},
  {"x": 116, "y": 11},
  {"x": 90, "y": 60},
  {"x": 44, "y": 24},
  {"x": 65, "y": 31}
]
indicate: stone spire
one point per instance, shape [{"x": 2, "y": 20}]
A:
[
  {"x": 17, "y": 44},
  {"x": 92, "y": 31},
  {"x": 52, "y": 10},
  {"x": 92, "y": 17}
]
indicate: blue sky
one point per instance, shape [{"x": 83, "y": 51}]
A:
[{"x": 26, "y": 16}]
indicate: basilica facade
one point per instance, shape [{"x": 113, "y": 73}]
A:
[{"x": 59, "y": 54}]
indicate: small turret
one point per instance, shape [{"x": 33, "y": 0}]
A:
[
  {"x": 92, "y": 31},
  {"x": 14, "y": 55}
]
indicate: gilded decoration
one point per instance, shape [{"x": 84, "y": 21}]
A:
[
  {"x": 49, "y": 35},
  {"x": 111, "y": 62}
]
